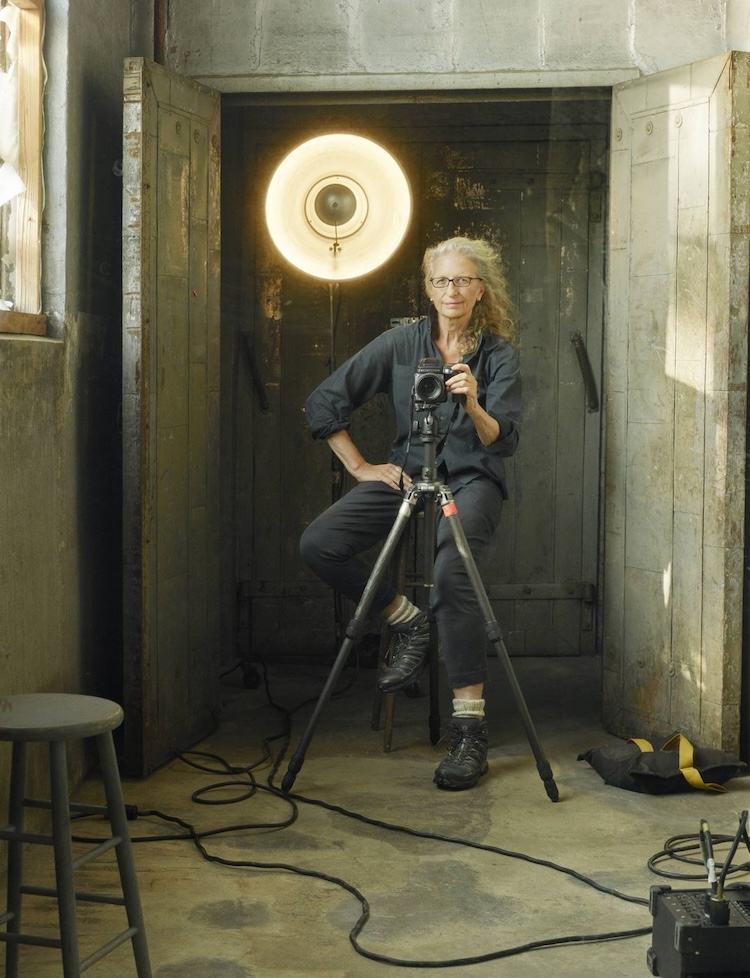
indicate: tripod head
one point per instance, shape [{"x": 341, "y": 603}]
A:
[
  {"x": 428, "y": 392},
  {"x": 427, "y": 426}
]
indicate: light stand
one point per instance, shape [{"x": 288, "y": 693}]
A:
[{"x": 337, "y": 207}]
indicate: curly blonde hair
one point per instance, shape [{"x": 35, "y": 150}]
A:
[{"x": 495, "y": 313}]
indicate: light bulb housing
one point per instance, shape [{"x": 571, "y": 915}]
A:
[{"x": 338, "y": 206}]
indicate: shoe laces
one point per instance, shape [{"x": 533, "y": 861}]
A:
[
  {"x": 402, "y": 641},
  {"x": 463, "y": 745}
]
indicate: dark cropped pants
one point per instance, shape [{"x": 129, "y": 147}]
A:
[{"x": 331, "y": 545}]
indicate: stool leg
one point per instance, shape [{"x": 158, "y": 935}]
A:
[
  {"x": 390, "y": 716},
  {"x": 15, "y": 854},
  {"x": 63, "y": 845},
  {"x": 377, "y": 700},
  {"x": 125, "y": 861}
]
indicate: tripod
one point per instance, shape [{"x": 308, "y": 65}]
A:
[{"x": 439, "y": 493}]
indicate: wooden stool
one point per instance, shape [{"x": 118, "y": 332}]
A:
[{"x": 54, "y": 719}]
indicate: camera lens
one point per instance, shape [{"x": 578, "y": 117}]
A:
[{"x": 429, "y": 388}]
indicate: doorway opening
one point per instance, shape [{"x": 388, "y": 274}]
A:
[{"x": 528, "y": 171}]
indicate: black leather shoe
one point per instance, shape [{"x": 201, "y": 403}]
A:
[
  {"x": 466, "y": 760},
  {"x": 409, "y": 647}
]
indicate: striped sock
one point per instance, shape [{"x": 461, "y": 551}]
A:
[{"x": 405, "y": 612}]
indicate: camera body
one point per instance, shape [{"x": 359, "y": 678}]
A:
[{"x": 429, "y": 381}]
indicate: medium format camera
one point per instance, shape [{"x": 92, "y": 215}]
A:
[{"x": 429, "y": 381}]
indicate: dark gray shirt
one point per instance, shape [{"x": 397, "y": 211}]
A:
[{"x": 388, "y": 364}]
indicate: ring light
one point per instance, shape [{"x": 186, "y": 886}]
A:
[{"x": 338, "y": 206}]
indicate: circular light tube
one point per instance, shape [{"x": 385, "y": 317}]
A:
[{"x": 338, "y": 171}]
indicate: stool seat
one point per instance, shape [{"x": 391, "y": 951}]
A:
[
  {"x": 54, "y": 719},
  {"x": 56, "y": 716}
]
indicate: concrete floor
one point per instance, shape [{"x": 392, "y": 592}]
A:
[{"x": 430, "y": 899}]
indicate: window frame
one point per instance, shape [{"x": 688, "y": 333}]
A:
[{"x": 26, "y": 316}]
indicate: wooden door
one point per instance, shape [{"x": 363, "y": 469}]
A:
[
  {"x": 531, "y": 178},
  {"x": 170, "y": 413},
  {"x": 677, "y": 402},
  {"x": 540, "y": 202}
]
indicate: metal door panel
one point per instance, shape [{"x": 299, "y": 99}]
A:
[
  {"x": 541, "y": 570},
  {"x": 540, "y": 199}
]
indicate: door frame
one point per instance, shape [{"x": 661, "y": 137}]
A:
[{"x": 583, "y": 593}]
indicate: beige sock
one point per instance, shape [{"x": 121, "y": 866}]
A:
[
  {"x": 468, "y": 708},
  {"x": 405, "y": 612}
]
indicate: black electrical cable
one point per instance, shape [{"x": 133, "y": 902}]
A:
[
  {"x": 196, "y": 838},
  {"x": 680, "y": 849},
  {"x": 492, "y": 955},
  {"x": 496, "y": 850},
  {"x": 740, "y": 835},
  {"x": 250, "y": 787},
  {"x": 467, "y": 843},
  {"x": 504, "y": 953}
]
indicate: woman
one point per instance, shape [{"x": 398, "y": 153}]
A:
[{"x": 470, "y": 329}]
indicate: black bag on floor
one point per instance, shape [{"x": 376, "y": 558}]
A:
[{"x": 674, "y": 766}]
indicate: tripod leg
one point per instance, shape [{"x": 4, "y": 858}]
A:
[
  {"x": 430, "y": 523},
  {"x": 354, "y": 631},
  {"x": 495, "y": 635}
]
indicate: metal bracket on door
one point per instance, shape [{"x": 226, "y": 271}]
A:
[
  {"x": 583, "y": 591},
  {"x": 589, "y": 383}
]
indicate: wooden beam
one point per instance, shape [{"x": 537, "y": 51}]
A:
[
  {"x": 23, "y": 322},
  {"x": 30, "y": 128},
  {"x": 160, "y": 30},
  {"x": 28, "y": 4}
]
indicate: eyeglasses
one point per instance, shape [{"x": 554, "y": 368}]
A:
[{"x": 460, "y": 281}]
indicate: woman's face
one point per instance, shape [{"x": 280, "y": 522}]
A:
[{"x": 455, "y": 303}]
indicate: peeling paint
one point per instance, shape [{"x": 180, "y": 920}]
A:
[{"x": 470, "y": 195}]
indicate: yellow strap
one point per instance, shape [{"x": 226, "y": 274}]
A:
[
  {"x": 645, "y": 746},
  {"x": 685, "y": 759}
]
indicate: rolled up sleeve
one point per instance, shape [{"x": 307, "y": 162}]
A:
[
  {"x": 504, "y": 401},
  {"x": 329, "y": 408}
]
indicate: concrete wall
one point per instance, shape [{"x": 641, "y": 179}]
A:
[
  {"x": 737, "y": 24},
  {"x": 60, "y": 496},
  {"x": 320, "y": 45}
]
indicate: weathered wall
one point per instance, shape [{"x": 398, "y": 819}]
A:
[
  {"x": 321, "y": 45},
  {"x": 737, "y": 24},
  {"x": 676, "y": 402},
  {"x": 60, "y": 577}
]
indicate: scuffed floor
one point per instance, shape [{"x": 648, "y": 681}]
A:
[{"x": 430, "y": 899}]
